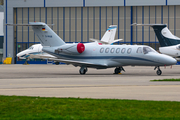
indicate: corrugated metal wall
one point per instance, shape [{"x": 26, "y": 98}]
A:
[
  {"x": 154, "y": 14},
  {"x": 74, "y": 24},
  {"x": 78, "y": 24}
]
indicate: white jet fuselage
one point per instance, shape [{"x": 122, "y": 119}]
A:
[
  {"x": 173, "y": 51},
  {"x": 115, "y": 55},
  {"x": 35, "y": 51}
]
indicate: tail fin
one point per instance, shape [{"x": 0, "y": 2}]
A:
[
  {"x": 46, "y": 35},
  {"x": 109, "y": 35},
  {"x": 165, "y": 37}
]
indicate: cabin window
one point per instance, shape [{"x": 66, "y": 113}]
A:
[
  {"x": 112, "y": 50},
  {"x": 101, "y": 50},
  {"x": 139, "y": 50},
  {"x": 129, "y": 50},
  {"x": 107, "y": 50},
  {"x": 123, "y": 50},
  {"x": 117, "y": 50}
]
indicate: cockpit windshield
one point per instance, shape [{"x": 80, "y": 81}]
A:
[
  {"x": 30, "y": 48},
  {"x": 147, "y": 50},
  {"x": 178, "y": 47}
]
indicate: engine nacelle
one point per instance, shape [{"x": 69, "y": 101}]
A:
[{"x": 71, "y": 48}]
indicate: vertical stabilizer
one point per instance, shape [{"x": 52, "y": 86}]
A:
[
  {"x": 165, "y": 37},
  {"x": 109, "y": 35},
  {"x": 46, "y": 35}
]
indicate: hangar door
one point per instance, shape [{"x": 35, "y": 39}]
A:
[{"x": 72, "y": 24}]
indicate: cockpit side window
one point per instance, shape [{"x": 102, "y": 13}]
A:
[
  {"x": 139, "y": 50},
  {"x": 147, "y": 50},
  {"x": 178, "y": 47},
  {"x": 31, "y": 48}
]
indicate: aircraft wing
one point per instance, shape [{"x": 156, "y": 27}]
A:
[{"x": 80, "y": 63}]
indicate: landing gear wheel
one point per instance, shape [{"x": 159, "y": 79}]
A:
[
  {"x": 117, "y": 70},
  {"x": 57, "y": 63},
  {"x": 83, "y": 70},
  {"x": 159, "y": 72}
]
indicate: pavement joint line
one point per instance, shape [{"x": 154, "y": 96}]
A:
[{"x": 78, "y": 86}]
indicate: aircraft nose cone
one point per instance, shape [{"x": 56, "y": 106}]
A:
[
  {"x": 171, "y": 61},
  {"x": 18, "y": 55}
]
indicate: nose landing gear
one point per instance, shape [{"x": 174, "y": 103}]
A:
[
  {"x": 158, "y": 72},
  {"x": 83, "y": 70}
]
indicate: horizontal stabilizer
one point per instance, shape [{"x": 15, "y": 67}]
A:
[
  {"x": 135, "y": 24},
  {"x": 44, "y": 33},
  {"x": 116, "y": 40},
  {"x": 99, "y": 41},
  {"x": 30, "y": 24},
  {"x": 103, "y": 42}
]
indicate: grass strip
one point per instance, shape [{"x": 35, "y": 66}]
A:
[
  {"x": 21, "y": 108},
  {"x": 167, "y": 80}
]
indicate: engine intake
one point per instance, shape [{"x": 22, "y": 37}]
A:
[{"x": 80, "y": 47}]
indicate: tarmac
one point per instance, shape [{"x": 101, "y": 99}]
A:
[{"x": 65, "y": 81}]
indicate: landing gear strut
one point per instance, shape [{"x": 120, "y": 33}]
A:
[
  {"x": 158, "y": 72},
  {"x": 26, "y": 62},
  {"x": 118, "y": 70},
  {"x": 83, "y": 70}
]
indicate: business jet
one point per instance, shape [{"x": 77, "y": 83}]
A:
[
  {"x": 170, "y": 44},
  {"x": 35, "y": 51},
  {"x": 97, "y": 56}
]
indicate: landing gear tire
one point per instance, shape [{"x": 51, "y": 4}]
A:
[
  {"x": 83, "y": 70},
  {"x": 57, "y": 63},
  {"x": 117, "y": 70},
  {"x": 159, "y": 72}
]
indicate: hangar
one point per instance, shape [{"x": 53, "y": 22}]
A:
[{"x": 79, "y": 20}]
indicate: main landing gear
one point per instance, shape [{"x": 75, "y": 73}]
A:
[
  {"x": 26, "y": 62},
  {"x": 83, "y": 70},
  {"x": 158, "y": 72},
  {"x": 118, "y": 70},
  {"x": 57, "y": 63}
]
